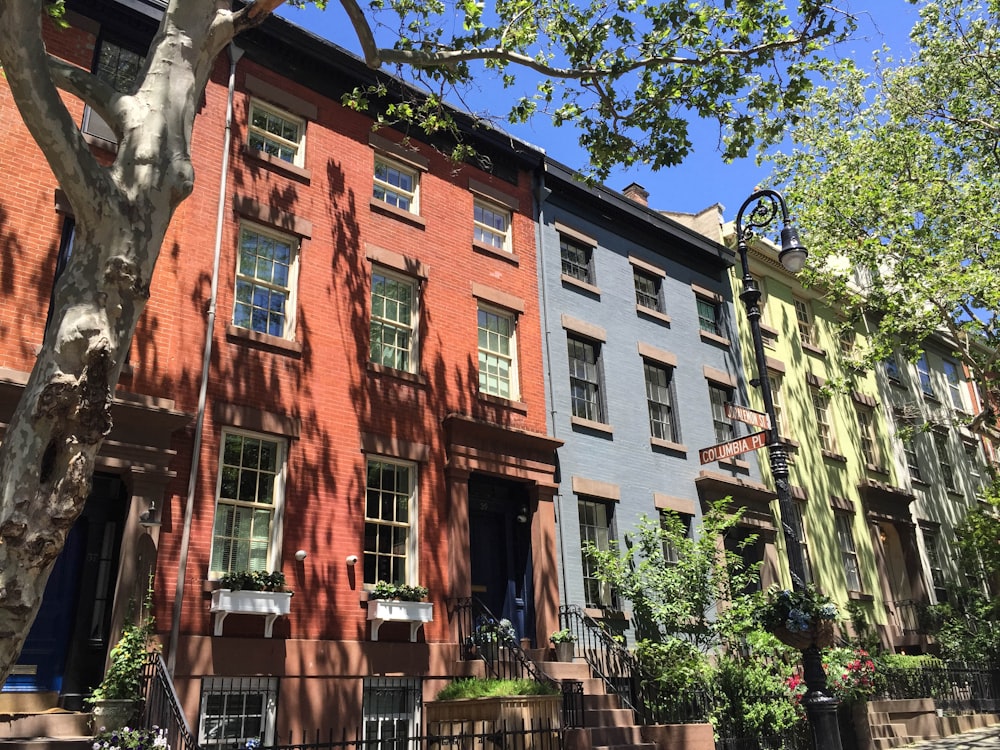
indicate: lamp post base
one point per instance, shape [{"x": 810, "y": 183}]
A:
[{"x": 821, "y": 707}]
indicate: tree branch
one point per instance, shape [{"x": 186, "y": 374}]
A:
[
  {"x": 26, "y": 68},
  {"x": 253, "y": 14},
  {"x": 100, "y": 95}
]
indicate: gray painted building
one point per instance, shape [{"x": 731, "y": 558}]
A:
[{"x": 640, "y": 348}]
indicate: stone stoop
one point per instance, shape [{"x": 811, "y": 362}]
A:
[{"x": 33, "y": 721}]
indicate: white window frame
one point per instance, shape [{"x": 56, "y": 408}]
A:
[
  {"x": 777, "y": 382},
  {"x": 593, "y": 386},
  {"x": 375, "y": 723},
  {"x": 238, "y": 687},
  {"x": 276, "y": 507},
  {"x": 924, "y": 375},
  {"x": 661, "y": 396},
  {"x": 601, "y": 535},
  {"x": 824, "y": 427},
  {"x": 384, "y": 322},
  {"x": 671, "y": 555},
  {"x": 945, "y": 464},
  {"x": 799, "y": 521},
  {"x": 582, "y": 272},
  {"x": 297, "y": 147},
  {"x": 254, "y": 281},
  {"x": 393, "y": 194},
  {"x": 642, "y": 294},
  {"x": 804, "y": 320},
  {"x": 848, "y": 551},
  {"x": 487, "y": 352},
  {"x": 411, "y": 562},
  {"x": 719, "y": 395},
  {"x": 953, "y": 378},
  {"x": 868, "y": 437},
  {"x": 709, "y": 324},
  {"x": 489, "y": 234}
]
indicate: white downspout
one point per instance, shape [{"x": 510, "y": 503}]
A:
[{"x": 235, "y": 53}]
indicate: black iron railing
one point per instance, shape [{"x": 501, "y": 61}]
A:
[
  {"x": 482, "y": 635},
  {"x": 537, "y": 736},
  {"x": 161, "y": 708},
  {"x": 955, "y": 686},
  {"x": 624, "y": 676}
]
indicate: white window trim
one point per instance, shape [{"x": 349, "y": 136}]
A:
[
  {"x": 403, "y": 168},
  {"x": 515, "y": 380},
  {"x": 414, "y": 314},
  {"x": 293, "y": 276},
  {"x": 278, "y": 514},
  {"x": 300, "y": 147},
  {"x": 412, "y": 558},
  {"x": 507, "y": 245},
  {"x": 240, "y": 685},
  {"x": 806, "y": 325}
]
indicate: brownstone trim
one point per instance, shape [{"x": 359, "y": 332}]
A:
[
  {"x": 575, "y": 234},
  {"x": 394, "y": 447},
  {"x": 396, "y": 261},
  {"x": 588, "y": 330},
  {"x": 677, "y": 504},
  {"x": 262, "y": 213},
  {"x": 662, "y": 356},
  {"x": 409, "y": 155},
  {"x": 497, "y": 297},
  {"x": 272, "y": 94},
  {"x": 257, "y": 420},
  {"x": 596, "y": 488},
  {"x": 490, "y": 193},
  {"x": 720, "y": 377}
]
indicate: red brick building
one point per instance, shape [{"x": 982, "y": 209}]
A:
[{"x": 373, "y": 406}]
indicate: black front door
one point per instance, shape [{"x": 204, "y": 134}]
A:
[{"x": 500, "y": 550}]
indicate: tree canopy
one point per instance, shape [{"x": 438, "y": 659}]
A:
[{"x": 895, "y": 177}]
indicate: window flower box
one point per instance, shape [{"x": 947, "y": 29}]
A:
[
  {"x": 269, "y": 604},
  {"x": 392, "y": 610}
]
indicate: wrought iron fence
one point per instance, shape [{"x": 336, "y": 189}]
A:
[
  {"x": 161, "y": 708},
  {"x": 796, "y": 738},
  {"x": 464, "y": 736},
  {"x": 955, "y": 687}
]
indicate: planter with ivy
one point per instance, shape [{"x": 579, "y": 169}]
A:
[
  {"x": 564, "y": 643},
  {"x": 399, "y": 602},
  {"x": 251, "y": 593}
]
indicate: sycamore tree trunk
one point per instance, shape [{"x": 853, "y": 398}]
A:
[{"x": 122, "y": 213}]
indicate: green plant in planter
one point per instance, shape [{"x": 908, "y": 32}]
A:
[
  {"x": 563, "y": 636},
  {"x": 254, "y": 580},
  {"x": 493, "y": 688},
  {"x": 399, "y": 592},
  {"x": 123, "y": 680}
]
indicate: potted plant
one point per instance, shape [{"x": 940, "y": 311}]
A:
[
  {"x": 117, "y": 700},
  {"x": 127, "y": 738},
  {"x": 251, "y": 592},
  {"x": 490, "y": 635},
  {"x": 800, "y": 619},
  {"x": 399, "y": 602},
  {"x": 564, "y": 643}
]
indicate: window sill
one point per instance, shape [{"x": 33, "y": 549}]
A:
[
  {"x": 279, "y": 345},
  {"x": 920, "y": 483},
  {"x": 876, "y": 469},
  {"x": 606, "y": 613},
  {"x": 736, "y": 464},
  {"x": 668, "y": 446},
  {"x": 518, "y": 406},
  {"x": 384, "y": 370},
  {"x": 583, "y": 286},
  {"x": 656, "y": 315},
  {"x": 930, "y": 397},
  {"x": 589, "y": 424},
  {"x": 397, "y": 213},
  {"x": 494, "y": 252},
  {"x": 769, "y": 333},
  {"x": 814, "y": 350},
  {"x": 832, "y": 456},
  {"x": 895, "y": 381},
  {"x": 860, "y": 596},
  {"x": 714, "y": 338},
  {"x": 278, "y": 165},
  {"x": 100, "y": 143}
]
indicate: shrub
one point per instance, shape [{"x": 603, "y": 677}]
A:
[
  {"x": 493, "y": 688},
  {"x": 253, "y": 580},
  {"x": 399, "y": 592}
]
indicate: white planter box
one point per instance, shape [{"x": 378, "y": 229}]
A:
[
  {"x": 386, "y": 610},
  {"x": 269, "y": 604}
]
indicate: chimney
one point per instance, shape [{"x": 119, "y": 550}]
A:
[{"x": 638, "y": 193}]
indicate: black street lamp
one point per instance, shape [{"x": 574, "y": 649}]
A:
[{"x": 821, "y": 707}]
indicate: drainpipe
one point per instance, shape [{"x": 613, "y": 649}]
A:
[
  {"x": 541, "y": 195},
  {"x": 235, "y": 53}
]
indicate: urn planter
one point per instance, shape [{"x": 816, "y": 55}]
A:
[
  {"x": 391, "y": 610},
  {"x": 109, "y": 714},
  {"x": 268, "y": 604},
  {"x": 565, "y": 650}
]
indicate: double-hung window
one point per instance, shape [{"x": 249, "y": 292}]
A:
[
  {"x": 395, "y": 184},
  {"x": 891, "y": 367},
  {"x": 497, "y": 353},
  {"x": 586, "y": 390},
  {"x": 576, "y": 259},
  {"x": 671, "y": 523},
  {"x": 799, "y": 525},
  {"x": 907, "y": 438},
  {"x": 868, "y": 436},
  {"x": 249, "y": 497},
  {"x": 235, "y": 710},
  {"x": 804, "y": 319},
  {"x": 777, "y": 399},
  {"x": 848, "y": 551},
  {"x": 934, "y": 563},
  {"x": 491, "y": 225},
  {"x": 276, "y": 133},
  {"x": 390, "y": 521},
  {"x": 824, "y": 428},
  {"x": 265, "y": 282},
  {"x": 709, "y": 316},
  {"x": 393, "y": 326},
  {"x": 924, "y": 375},
  {"x": 595, "y": 530},
  {"x": 660, "y": 401},
  {"x": 954, "y": 381},
  {"x": 647, "y": 290},
  {"x": 944, "y": 459},
  {"x": 719, "y": 396}
]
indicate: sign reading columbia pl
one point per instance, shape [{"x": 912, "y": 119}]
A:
[{"x": 722, "y": 451}]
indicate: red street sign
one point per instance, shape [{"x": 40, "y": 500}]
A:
[
  {"x": 753, "y": 418},
  {"x": 723, "y": 451}
]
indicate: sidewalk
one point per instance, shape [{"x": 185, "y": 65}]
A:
[{"x": 977, "y": 739}]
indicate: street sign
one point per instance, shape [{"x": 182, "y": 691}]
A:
[
  {"x": 753, "y": 418},
  {"x": 733, "y": 448}
]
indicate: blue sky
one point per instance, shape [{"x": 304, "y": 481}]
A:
[{"x": 704, "y": 178}]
